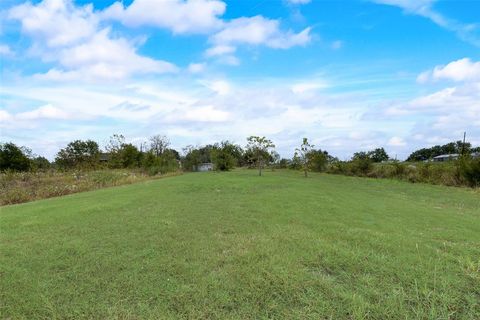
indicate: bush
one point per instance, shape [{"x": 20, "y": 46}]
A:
[
  {"x": 361, "y": 166},
  {"x": 469, "y": 170}
]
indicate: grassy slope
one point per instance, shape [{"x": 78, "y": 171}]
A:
[{"x": 234, "y": 245}]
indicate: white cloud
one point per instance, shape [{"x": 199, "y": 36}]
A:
[
  {"x": 396, "y": 142},
  {"x": 253, "y": 31},
  {"x": 220, "y": 50},
  {"x": 303, "y": 87},
  {"x": 424, "y": 8},
  {"x": 196, "y": 67},
  {"x": 414, "y": 6},
  {"x": 95, "y": 58},
  {"x": 202, "y": 114},
  {"x": 459, "y": 70},
  {"x": 5, "y": 117},
  {"x": 258, "y": 30},
  {"x": 5, "y": 50},
  {"x": 220, "y": 87},
  {"x": 33, "y": 118},
  {"x": 70, "y": 36},
  {"x": 56, "y": 23},
  {"x": 191, "y": 16},
  {"x": 45, "y": 112}
]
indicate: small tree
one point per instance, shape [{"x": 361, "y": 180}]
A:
[
  {"x": 303, "y": 153},
  {"x": 260, "y": 150},
  {"x": 114, "y": 149}
]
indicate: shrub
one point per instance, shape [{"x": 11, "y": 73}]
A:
[
  {"x": 469, "y": 170},
  {"x": 361, "y": 166}
]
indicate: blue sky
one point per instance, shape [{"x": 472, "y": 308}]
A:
[{"x": 349, "y": 75}]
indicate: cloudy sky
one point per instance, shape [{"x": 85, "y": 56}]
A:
[{"x": 349, "y": 75}]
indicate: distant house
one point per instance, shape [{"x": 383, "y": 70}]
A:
[
  {"x": 453, "y": 156},
  {"x": 207, "y": 166},
  {"x": 104, "y": 157},
  {"x": 446, "y": 157}
]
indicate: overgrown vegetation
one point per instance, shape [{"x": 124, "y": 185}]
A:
[
  {"x": 464, "y": 172},
  {"x": 18, "y": 187}
]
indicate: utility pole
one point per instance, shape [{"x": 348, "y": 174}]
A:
[{"x": 463, "y": 145}]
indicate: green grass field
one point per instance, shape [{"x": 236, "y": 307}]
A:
[{"x": 235, "y": 245}]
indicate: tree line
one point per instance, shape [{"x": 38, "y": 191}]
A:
[{"x": 156, "y": 156}]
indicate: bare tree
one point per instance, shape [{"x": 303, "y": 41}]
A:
[{"x": 158, "y": 144}]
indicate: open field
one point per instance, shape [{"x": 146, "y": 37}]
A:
[{"x": 235, "y": 245}]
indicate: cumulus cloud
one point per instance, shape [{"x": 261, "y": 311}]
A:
[
  {"x": 71, "y": 37},
  {"x": 458, "y": 71},
  {"x": 56, "y": 23},
  {"x": 179, "y": 16},
  {"x": 32, "y": 118},
  {"x": 259, "y": 30},
  {"x": 253, "y": 31}
]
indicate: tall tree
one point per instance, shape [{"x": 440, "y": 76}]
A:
[
  {"x": 260, "y": 149},
  {"x": 159, "y": 144}
]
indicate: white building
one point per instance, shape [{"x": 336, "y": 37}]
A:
[
  {"x": 446, "y": 157},
  {"x": 207, "y": 166}
]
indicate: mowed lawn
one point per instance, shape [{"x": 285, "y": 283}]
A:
[{"x": 238, "y": 246}]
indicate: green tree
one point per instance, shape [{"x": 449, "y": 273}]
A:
[
  {"x": 130, "y": 156},
  {"x": 259, "y": 148},
  {"x": 303, "y": 153},
  {"x": 40, "y": 163},
  {"x": 361, "y": 163},
  {"x": 78, "y": 154},
  {"x": 378, "y": 155},
  {"x": 318, "y": 160},
  {"x": 225, "y": 155},
  {"x": 13, "y": 157}
]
